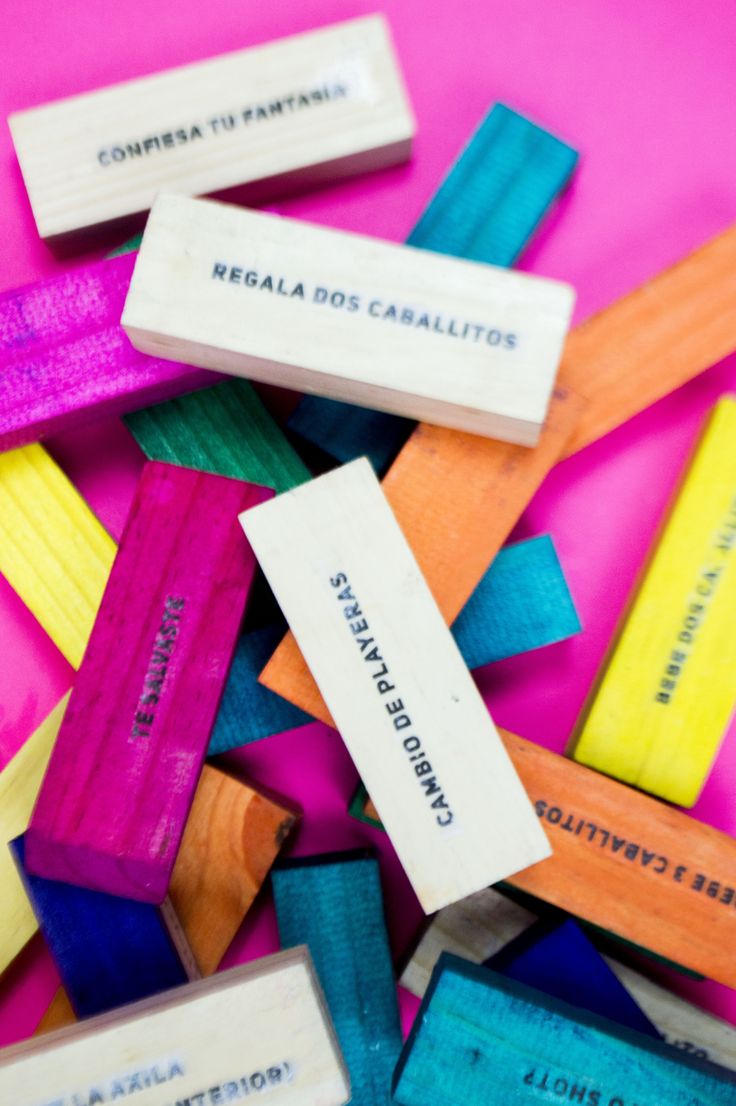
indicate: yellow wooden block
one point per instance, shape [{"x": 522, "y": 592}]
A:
[
  {"x": 19, "y": 784},
  {"x": 53, "y": 551},
  {"x": 665, "y": 694}
]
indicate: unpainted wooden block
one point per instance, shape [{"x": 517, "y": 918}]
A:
[
  {"x": 350, "y": 317},
  {"x": 117, "y": 792},
  {"x": 403, "y": 700},
  {"x": 313, "y": 107},
  {"x": 260, "y": 1027},
  {"x": 662, "y": 700}
]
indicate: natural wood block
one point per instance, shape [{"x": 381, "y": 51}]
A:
[
  {"x": 115, "y": 798},
  {"x": 334, "y": 905},
  {"x": 662, "y": 700},
  {"x": 301, "y": 110},
  {"x": 53, "y": 551},
  {"x": 480, "y": 1037},
  {"x": 486, "y": 209},
  {"x": 64, "y": 358},
  {"x": 223, "y": 429},
  {"x": 403, "y": 700},
  {"x": 19, "y": 784},
  {"x": 258, "y": 1027},
  {"x": 342, "y": 315}
]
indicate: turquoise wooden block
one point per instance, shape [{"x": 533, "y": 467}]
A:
[
  {"x": 480, "y": 1038},
  {"x": 334, "y": 904},
  {"x": 486, "y": 209}
]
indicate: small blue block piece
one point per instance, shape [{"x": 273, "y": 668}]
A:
[
  {"x": 560, "y": 960},
  {"x": 334, "y": 904},
  {"x": 109, "y": 951},
  {"x": 486, "y": 209},
  {"x": 521, "y": 603},
  {"x": 248, "y": 710},
  {"x": 480, "y": 1038}
]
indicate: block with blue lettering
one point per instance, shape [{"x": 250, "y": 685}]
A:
[
  {"x": 333, "y": 903},
  {"x": 109, "y": 951},
  {"x": 560, "y": 960},
  {"x": 486, "y": 209},
  {"x": 482, "y": 1038}
]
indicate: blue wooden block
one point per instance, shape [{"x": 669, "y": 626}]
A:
[
  {"x": 109, "y": 951},
  {"x": 486, "y": 209},
  {"x": 521, "y": 603},
  {"x": 334, "y": 904},
  {"x": 480, "y": 1038},
  {"x": 560, "y": 960}
]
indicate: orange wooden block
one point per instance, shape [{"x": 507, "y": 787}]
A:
[{"x": 232, "y": 837}]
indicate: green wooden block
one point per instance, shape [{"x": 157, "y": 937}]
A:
[{"x": 127, "y": 247}]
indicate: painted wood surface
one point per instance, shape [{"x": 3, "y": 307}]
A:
[
  {"x": 53, "y": 551},
  {"x": 481, "y": 1037},
  {"x": 660, "y": 705},
  {"x": 260, "y": 1027},
  {"x": 486, "y": 209},
  {"x": 334, "y": 905},
  {"x": 112, "y": 819},
  {"x": 354, "y": 318},
  {"x": 403, "y": 699},
  {"x": 309, "y": 108}
]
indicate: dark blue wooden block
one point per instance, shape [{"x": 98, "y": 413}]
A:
[
  {"x": 486, "y": 209},
  {"x": 560, "y": 960},
  {"x": 108, "y": 951},
  {"x": 480, "y": 1038},
  {"x": 334, "y": 904}
]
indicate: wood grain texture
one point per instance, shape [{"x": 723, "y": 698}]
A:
[
  {"x": 115, "y": 798},
  {"x": 347, "y": 316},
  {"x": 486, "y": 209},
  {"x": 478, "y": 1031},
  {"x": 19, "y": 784},
  {"x": 224, "y": 429},
  {"x": 260, "y": 1027},
  {"x": 301, "y": 110},
  {"x": 662, "y": 700},
  {"x": 404, "y": 701},
  {"x": 53, "y": 551},
  {"x": 334, "y": 905}
]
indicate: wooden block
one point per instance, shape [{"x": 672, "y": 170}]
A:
[
  {"x": 460, "y": 344},
  {"x": 258, "y": 1027},
  {"x": 19, "y": 784},
  {"x": 64, "y": 358},
  {"x": 486, "y": 209},
  {"x": 223, "y": 429},
  {"x": 662, "y": 700},
  {"x": 361, "y": 807},
  {"x": 108, "y": 951},
  {"x": 404, "y": 702},
  {"x": 334, "y": 905},
  {"x": 305, "y": 109},
  {"x": 53, "y": 551},
  {"x": 479, "y": 1032},
  {"x": 113, "y": 803}
]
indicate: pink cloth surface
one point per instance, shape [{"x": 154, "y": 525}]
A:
[{"x": 645, "y": 92}]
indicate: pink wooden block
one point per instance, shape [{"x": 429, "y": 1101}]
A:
[
  {"x": 64, "y": 358},
  {"x": 115, "y": 798}
]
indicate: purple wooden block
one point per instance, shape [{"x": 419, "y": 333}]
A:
[
  {"x": 65, "y": 359},
  {"x": 117, "y": 791}
]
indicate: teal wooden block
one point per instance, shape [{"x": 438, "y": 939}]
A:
[
  {"x": 334, "y": 904},
  {"x": 486, "y": 209},
  {"x": 480, "y": 1038}
]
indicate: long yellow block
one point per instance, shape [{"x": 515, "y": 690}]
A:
[
  {"x": 53, "y": 551},
  {"x": 19, "y": 784},
  {"x": 664, "y": 696}
]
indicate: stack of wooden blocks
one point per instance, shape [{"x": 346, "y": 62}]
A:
[{"x": 440, "y": 389}]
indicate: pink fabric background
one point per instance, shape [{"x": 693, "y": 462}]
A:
[{"x": 646, "y": 92}]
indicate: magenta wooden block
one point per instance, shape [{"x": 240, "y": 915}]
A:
[
  {"x": 65, "y": 359},
  {"x": 117, "y": 791}
]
